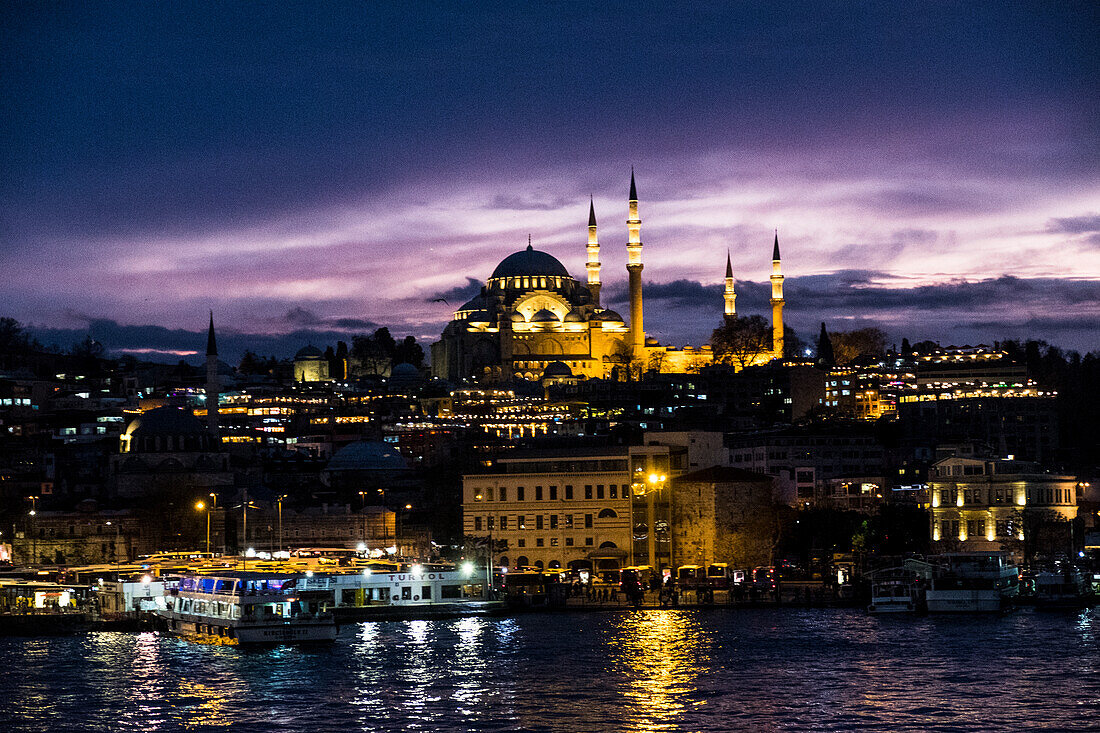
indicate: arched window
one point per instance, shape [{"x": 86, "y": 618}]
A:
[
  {"x": 607, "y": 514},
  {"x": 555, "y": 565},
  {"x": 608, "y": 546},
  {"x": 503, "y": 560},
  {"x": 538, "y": 564},
  {"x": 522, "y": 561}
]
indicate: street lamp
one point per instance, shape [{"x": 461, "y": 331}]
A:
[
  {"x": 280, "y": 502},
  {"x": 34, "y": 538},
  {"x": 200, "y": 506},
  {"x": 213, "y": 507},
  {"x": 118, "y": 530}
]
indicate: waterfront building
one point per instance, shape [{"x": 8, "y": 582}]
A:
[
  {"x": 532, "y": 314},
  {"x": 310, "y": 365},
  {"x": 988, "y": 504},
  {"x": 597, "y": 508}
]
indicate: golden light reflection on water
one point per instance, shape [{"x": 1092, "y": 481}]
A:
[{"x": 660, "y": 654}]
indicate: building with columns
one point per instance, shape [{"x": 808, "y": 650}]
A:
[{"x": 532, "y": 314}]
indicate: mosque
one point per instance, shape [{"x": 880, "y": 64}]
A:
[{"x": 533, "y": 316}]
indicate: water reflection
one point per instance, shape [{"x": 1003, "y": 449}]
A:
[{"x": 660, "y": 655}]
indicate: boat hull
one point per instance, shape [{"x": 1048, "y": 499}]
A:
[
  {"x": 236, "y": 635},
  {"x": 965, "y": 601}
]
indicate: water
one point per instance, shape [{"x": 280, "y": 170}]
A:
[{"x": 671, "y": 670}]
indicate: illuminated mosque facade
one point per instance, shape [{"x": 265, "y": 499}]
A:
[{"x": 533, "y": 319}]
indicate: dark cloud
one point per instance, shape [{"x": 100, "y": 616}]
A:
[
  {"x": 1085, "y": 224},
  {"x": 299, "y": 316},
  {"x": 459, "y": 294},
  {"x": 158, "y": 343}
]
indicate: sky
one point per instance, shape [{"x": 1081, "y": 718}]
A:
[{"x": 312, "y": 171}]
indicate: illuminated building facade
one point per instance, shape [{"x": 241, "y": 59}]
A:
[
  {"x": 984, "y": 503},
  {"x": 576, "y": 508}
]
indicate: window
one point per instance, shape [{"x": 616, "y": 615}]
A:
[
  {"x": 538, "y": 521},
  {"x": 588, "y": 542},
  {"x": 425, "y": 593},
  {"x": 553, "y": 521},
  {"x": 608, "y": 514},
  {"x": 477, "y": 495},
  {"x": 489, "y": 494},
  {"x": 519, "y": 493},
  {"x": 538, "y": 493},
  {"x": 503, "y": 522},
  {"x": 569, "y": 521},
  {"x": 553, "y": 541},
  {"x": 406, "y": 593},
  {"x": 521, "y": 543},
  {"x": 599, "y": 491},
  {"x": 503, "y": 493},
  {"x": 489, "y": 523},
  {"x": 540, "y": 542},
  {"x": 477, "y": 524},
  {"x": 613, "y": 490},
  {"x": 451, "y": 591},
  {"x": 588, "y": 491},
  {"x": 588, "y": 521},
  {"x": 553, "y": 493},
  {"x": 521, "y": 522},
  {"x": 569, "y": 491}
]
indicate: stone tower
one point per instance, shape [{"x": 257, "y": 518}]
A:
[
  {"x": 593, "y": 264},
  {"x": 634, "y": 270},
  {"x": 777, "y": 302}
]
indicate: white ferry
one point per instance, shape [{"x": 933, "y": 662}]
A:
[
  {"x": 972, "y": 582},
  {"x": 900, "y": 589},
  {"x": 403, "y": 590},
  {"x": 246, "y": 608}
]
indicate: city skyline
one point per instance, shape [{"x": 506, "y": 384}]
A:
[{"x": 316, "y": 174}]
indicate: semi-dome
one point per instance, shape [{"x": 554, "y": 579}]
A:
[
  {"x": 544, "y": 316},
  {"x": 528, "y": 262},
  {"x": 478, "y": 317},
  {"x": 309, "y": 352},
  {"x": 517, "y": 317},
  {"x": 367, "y": 455},
  {"x": 574, "y": 317}
]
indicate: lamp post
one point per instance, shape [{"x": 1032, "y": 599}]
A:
[
  {"x": 656, "y": 482},
  {"x": 280, "y": 502},
  {"x": 213, "y": 507},
  {"x": 118, "y": 540},
  {"x": 34, "y": 538},
  {"x": 199, "y": 506}
]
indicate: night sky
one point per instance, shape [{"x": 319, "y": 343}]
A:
[{"x": 314, "y": 170}]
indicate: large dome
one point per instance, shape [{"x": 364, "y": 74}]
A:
[
  {"x": 163, "y": 421},
  {"x": 530, "y": 262},
  {"x": 367, "y": 455}
]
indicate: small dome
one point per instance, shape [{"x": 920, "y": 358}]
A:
[
  {"x": 517, "y": 317},
  {"x": 544, "y": 316},
  {"x": 309, "y": 352},
  {"x": 557, "y": 369},
  {"x": 651, "y": 341},
  {"x": 574, "y": 317},
  {"x": 478, "y": 317},
  {"x": 530, "y": 261},
  {"x": 609, "y": 315},
  {"x": 367, "y": 455},
  {"x": 165, "y": 421},
  {"x": 404, "y": 371}
]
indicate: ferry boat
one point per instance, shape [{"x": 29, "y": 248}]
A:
[
  {"x": 245, "y": 608},
  {"x": 900, "y": 589},
  {"x": 972, "y": 582},
  {"x": 1065, "y": 589}
]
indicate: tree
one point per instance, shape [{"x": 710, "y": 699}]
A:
[
  {"x": 850, "y": 345},
  {"x": 793, "y": 346},
  {"x": 13, "y": 337},
  {"x": 341, "y": 361},
  {"x": 741, "y": 341},
  {"x": 825, "y": 356},
  {"x": 86, "y": 356},
  {"x": 373, "y": 354},
  {"x": 250, "y": 363},
  {"x": 409, "y": 352}
]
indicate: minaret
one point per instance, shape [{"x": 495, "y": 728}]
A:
[
  {"x": 730, "y": 296},
  {"x": 634, "y": 269},
  {"x": 593, "y": 264},
  {"x": 212, "y": 380},
  {"x": 777, "y": 302}
]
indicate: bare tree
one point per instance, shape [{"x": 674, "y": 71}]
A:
[{"x": 741, "y": 341}]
